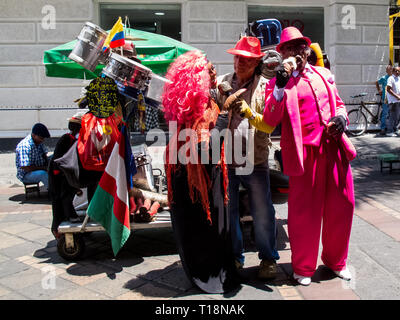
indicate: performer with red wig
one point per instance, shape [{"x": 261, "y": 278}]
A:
[{"x": 197, "y": 192}]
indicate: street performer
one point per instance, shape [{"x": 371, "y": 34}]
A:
[
  {"x": 316, "y": 155},
  {"x": 248, "y": 83},
  {"x": 197, "y": 191}
]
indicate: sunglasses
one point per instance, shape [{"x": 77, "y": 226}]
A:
[{"x": 294, "y": 47}]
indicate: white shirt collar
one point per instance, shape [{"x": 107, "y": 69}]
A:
[{"x": 307, "y": 69}]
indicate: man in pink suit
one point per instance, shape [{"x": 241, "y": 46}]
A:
[{"x": 316, "y": 155}]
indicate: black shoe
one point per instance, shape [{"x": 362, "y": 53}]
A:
[{"x": 382, "y": 133}]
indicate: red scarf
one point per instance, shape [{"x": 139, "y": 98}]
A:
[{"x": 198, "y": 180}]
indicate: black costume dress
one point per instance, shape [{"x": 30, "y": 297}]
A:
[{"x": 204, "y": 245}]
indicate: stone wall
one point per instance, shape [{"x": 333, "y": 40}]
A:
[
  {"x": 359, "y": 53},
  {"x": 26, "y": 94},
  {"x": 215, "y": 26}
]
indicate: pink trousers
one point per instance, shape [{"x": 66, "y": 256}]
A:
[{"x": 322, "y": 197}]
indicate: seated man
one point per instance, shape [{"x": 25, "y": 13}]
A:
[{"x": 30, "y": 156}]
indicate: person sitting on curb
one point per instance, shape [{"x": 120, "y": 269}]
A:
[{"x": 31, "y": 157}]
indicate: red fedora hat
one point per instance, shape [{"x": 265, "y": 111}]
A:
[
  {"x": 289, "y": 34},
  {"x": 248, "y": 47}
]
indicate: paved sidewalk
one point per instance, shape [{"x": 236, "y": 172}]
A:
[{"x": 148, "y": 266}]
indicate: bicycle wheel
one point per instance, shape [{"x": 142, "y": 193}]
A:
[{"x": 357, "y": 122}]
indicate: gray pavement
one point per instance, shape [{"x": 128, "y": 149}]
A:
[{"x": 148, "y": 267}]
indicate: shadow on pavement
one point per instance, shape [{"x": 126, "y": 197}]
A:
[
  {"x": 174, "y": 276},
  {"x": 369, "y": 181},
  {"x": 248, "y": 235},
  {"x": 32, "y": 199},
  {"x": 323, "y": 273},
  {"x": 171, "y": 282},
  {"x": 151, "y": 242},
  {"x": 110, "y": 266},
  {"x": 98, "y": 256}
]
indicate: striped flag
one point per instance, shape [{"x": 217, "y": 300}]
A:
[
  {"x": 110, "y": 203},
  {"x": 116, "y": 36}
]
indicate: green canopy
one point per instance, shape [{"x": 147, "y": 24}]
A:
[{"x": 154, "y": 50}]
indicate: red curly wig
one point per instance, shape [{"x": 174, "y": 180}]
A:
[{"x": 185, "y": 99}]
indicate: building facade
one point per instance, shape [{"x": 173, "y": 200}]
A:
[{"x": 354, "y": 33}]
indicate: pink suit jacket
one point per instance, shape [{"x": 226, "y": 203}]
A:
[{"x": 287, "y": 113}]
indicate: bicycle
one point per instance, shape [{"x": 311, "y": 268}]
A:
[{"x": 358, "y": 121}]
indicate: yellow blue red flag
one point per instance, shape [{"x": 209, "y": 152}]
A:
[{"x": 116, "y": 37}]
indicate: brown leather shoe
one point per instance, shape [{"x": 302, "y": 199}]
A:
[{"x": 268, "y": 269}]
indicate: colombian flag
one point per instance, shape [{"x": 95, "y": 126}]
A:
[{"x": 116, "y": 36}]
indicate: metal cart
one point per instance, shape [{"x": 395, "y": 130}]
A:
[{"x": 71, "y": 245}]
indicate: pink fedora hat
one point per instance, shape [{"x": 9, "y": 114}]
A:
[
  {"x": 289, "y": 34},
  {"x": 248, "y": 47}
]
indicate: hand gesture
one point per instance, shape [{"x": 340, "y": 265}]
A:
[
  {"x": 241, "y": 107},
  {"x": 283, "y": 74},
  {"x": 336, "y": 126},
  {"x": 230, "y": 100}
]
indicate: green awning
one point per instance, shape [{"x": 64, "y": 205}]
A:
[{"x": 154, "y": 50}]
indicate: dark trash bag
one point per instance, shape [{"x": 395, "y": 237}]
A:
[{"x": 69, "y": 165}]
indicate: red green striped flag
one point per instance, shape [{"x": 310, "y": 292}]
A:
[{"x": 110, "y": 203}]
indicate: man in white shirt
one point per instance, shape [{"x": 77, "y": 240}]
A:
[{"x": 393, "y": 96}]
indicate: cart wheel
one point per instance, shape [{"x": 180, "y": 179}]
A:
[{"x": 74, "y": 253}]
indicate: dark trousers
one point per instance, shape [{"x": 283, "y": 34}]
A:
[
  {"x": 394, "y": 117},
  {"x": 62, "y": 195}
]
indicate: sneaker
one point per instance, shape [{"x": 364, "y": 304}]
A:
[
  {"x": 239, "y": 265},
  {"x": 268, "y": 269},
  {"x": 382, "y": 133},
  {"x": 304, "y": 281},
  {"x": 391, "y": 134},
  {"x": 344, "y": 274}
]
